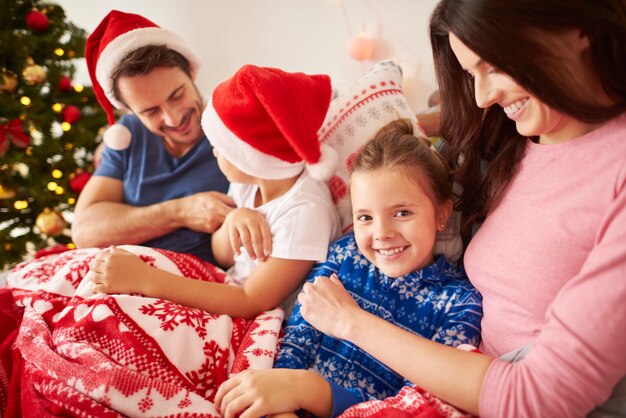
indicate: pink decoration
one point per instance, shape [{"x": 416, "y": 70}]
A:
[{"x": 361, "y": 48}]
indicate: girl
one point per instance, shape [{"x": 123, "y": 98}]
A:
[
  {"x": 400, "y": 192},
  {"x": 533, "y": 101}
]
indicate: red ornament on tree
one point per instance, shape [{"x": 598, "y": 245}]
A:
[
  {"x": 37, "y": 21},
  {"x": 65, "y": 84},
  {"x": 78, "y": 180},
  {"x": 70, "y": 114}
]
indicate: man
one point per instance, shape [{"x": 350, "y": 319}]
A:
[{"x": 158, "y": 183}]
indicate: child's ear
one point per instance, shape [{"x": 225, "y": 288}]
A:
[{"x": 443, "y": 213}]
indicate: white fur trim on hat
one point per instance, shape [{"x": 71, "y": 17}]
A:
[
  {"x": 327, "y": 164},
  {"x": 121, "y": 46},
  {"x": 241, "y": 154}
]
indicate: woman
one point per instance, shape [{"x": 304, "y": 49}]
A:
[{"x": 533, "y": 108}]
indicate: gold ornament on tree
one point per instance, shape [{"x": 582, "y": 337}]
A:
[
  {"x": 33, "y": 73},
  {"x": 9, "y": 81},
  {"x": 50, "y": 223}
]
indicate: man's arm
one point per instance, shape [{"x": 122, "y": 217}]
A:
[{"x": 102, "y": 219}]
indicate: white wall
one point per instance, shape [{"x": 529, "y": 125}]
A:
[{"x": 296, "y": 35}]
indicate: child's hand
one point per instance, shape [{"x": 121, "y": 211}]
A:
[
  {"x": 117, "y": 271},
  {"x": 248, "y": 228},
  {"x": 255, "y": 393},
  {"x": 328, "y": 306}
]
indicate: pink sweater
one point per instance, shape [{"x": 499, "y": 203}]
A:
[{"x": 550, "y": 262}]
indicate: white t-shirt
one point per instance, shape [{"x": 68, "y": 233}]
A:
[{"x": 303, "y": 221}]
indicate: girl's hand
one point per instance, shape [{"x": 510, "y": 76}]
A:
[
  {"x": 255, "y": 393},
  {"x": 117, "y": 271},
  {"x": 249, "y": 228},
  {"x": 328, "y": 306}
]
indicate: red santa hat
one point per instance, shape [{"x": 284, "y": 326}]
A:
[
  {"x": 264, "y": 121},
  {"x": 115, "y": 37}
]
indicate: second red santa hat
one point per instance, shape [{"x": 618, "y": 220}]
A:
[{"x": 264, "y": 121}]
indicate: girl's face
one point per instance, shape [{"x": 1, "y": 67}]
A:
[
  {"x": 395, "y": 220},
  {"x": 532, "y": 117}
]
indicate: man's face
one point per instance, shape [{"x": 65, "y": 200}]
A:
[{"x": 169, "y": 105}]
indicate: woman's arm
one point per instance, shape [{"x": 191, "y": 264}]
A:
[{"x": 451, "y": 374}]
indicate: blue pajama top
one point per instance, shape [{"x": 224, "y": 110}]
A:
[{"x": 437, "y": 302}]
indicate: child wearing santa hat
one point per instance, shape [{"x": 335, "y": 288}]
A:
[{"x": 263, "y": 125}]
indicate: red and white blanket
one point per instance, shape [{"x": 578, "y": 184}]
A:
[{"x": 65, "y": 351}]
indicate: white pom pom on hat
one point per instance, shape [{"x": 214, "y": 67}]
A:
[
  {"x": 117, "y": 137},
  {"x": 264, "y": 121}
]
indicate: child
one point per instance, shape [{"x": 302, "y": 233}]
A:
[
  {"x": 263, "y": 126},
  {"x": 400, "y": 192}
]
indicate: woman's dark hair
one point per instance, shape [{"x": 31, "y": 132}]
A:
[
  {"x": 519, "y": 38},
  {"x": 395, "y": 147},
  {"x": 143, "y": 60}
]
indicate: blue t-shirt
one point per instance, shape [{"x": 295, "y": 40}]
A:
[
  {"x": 152, "y": 175},
  {"x": 437, "y": 302}
]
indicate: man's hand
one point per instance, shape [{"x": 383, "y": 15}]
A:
[
  {"x": 249, "y": 228},
  {"x": 117, "y": 271},
  {"x": 202, "y": 212}
]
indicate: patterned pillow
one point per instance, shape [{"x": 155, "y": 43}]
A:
[{"x": 353, "y": 118}]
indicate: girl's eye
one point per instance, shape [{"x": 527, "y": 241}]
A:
[
  {"x": 363, "y": 218},
  {"x": 402, "y": 213}
]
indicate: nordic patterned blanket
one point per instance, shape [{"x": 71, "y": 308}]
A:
[{"x": 65, "y": 351}]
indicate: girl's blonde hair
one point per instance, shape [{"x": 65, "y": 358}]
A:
[{"x": 396, "y": 147}]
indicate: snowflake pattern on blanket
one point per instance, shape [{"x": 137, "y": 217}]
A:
[{"x": 86, "y": 354}]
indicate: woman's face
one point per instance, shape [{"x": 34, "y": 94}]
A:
[{"x": 532, "y": 117}]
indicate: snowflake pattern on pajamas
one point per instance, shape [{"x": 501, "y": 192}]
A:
[{"x": 436, "y": 302}]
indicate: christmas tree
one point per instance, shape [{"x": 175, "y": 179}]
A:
[{"x": 48, "y": 128}]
